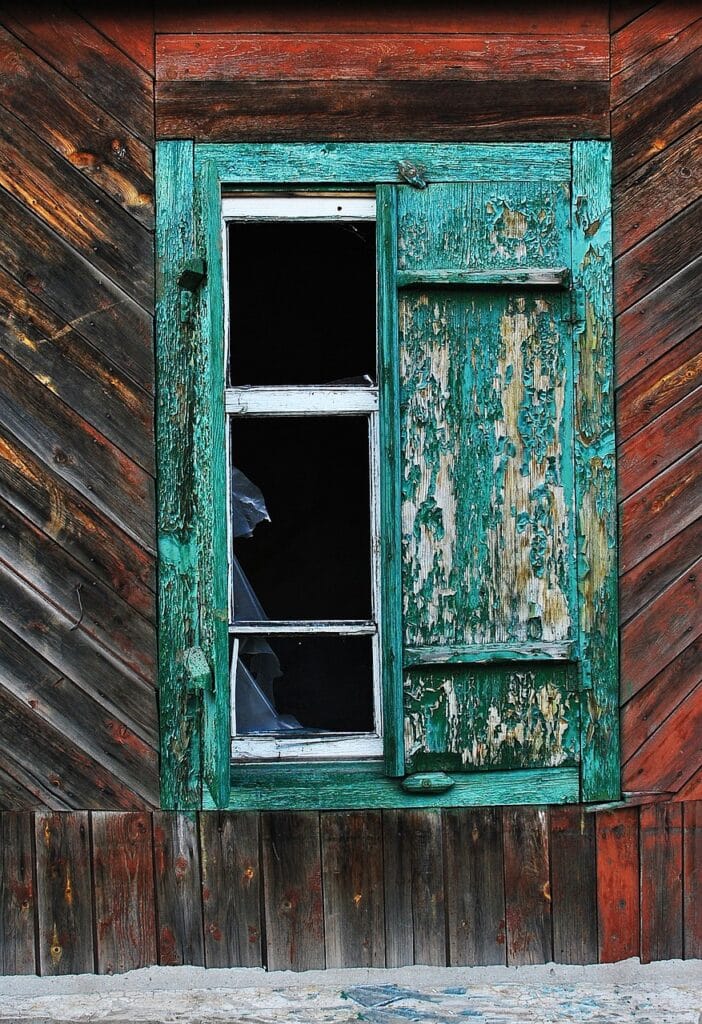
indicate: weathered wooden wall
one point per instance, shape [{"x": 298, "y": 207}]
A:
[
  {"x": 78, "y": 720},
  {"x": 112, "y": 891}
]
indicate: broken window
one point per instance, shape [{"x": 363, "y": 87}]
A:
[{"x": 303, "y": 476}]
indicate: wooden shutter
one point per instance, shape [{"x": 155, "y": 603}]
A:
[{"x": 492, "y": 667}]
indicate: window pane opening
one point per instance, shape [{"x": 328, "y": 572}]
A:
[{"x": 302, "y": 302}]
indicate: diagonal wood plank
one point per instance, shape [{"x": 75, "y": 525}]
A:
[
  {"x": 91, "y": 139},
  {"x": 659, "y": 444},
  {"x": 662, "y": 567},
  {"x": 646, "y": 70},
  {"x": 83, "y": 55},
  {"x": 653, "y": 28},
  {"x": 130, "y": 27}
]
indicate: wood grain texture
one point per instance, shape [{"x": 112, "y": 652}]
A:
[
  {"x": 278, "y": 111},
  {"x": 88, "y": 137},
  {"x": 660, "y": 444},
  {"x": 618, "y": 920},
  {"x": 231, "y": 889},
  {"x": 64, "y": 894},
  {"x": 692, "y": 880},
  {"x": 409, "y": 17},
  {"x": 17, "y": 894},
  {"x": 651, "y": 29},
  {"x": 475, "y": 909},
  {"x": 661, "y": 882},
  {"x": 573, "y": 886},
  {"x": 414, "y": 890},
  {"x": 352, "y": 882},
  {"x": 662, "y": 567},
  {"x": 353, "y": 55},
  {"x": 125, "y": 912},
  {"x": 292, "y": 873},
  {"x": 131, "y": 28},
  {"x": 527, "y": 886},
  {"x": 647, "y": 68},
  {"x": 179, "y": 921}
]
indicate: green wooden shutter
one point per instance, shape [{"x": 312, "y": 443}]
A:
[{"x": 493, "y": 673}]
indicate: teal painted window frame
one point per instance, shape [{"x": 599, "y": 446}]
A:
[{"x": 193, "y": 616}]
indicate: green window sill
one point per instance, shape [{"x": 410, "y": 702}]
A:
[{"x": 363, "y": 785}]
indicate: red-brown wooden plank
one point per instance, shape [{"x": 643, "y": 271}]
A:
[
  {"x": 125, "y": 924},
  {"x": 64, "y": 893},
  {"x": 179, "y": 926},
  {"x": 669, "y": 757},
  {"x": 66, "y": 776},
  {"x": 621, "y": 12},
  {"x": 692, "y": 790},
  {"x": 650, "y": 30},
  {"x": 658, "y": 257},
  {"x": 660, "y": 510},
  {"x": 652, "y": 705},
  {"x": 292, "y": 874},
  {"x": 355, "y": 56},
  {"x": 662, "y": 567},
  {"x": 658, "y": 321},
  {"x": 527, "y": 885},
  {"x": 618, "y": 884},
  {"x": 407, "y": 16},
  {"x": 231, "y": 888},
  {"x": 52, "y": 351},
  {"x": 415, "y": 922},
  {"x": 77, "y": 210},
  {"x": 656, "y": 192},
  {"x": 277, "y": 111},
  {"x": 352, "y": 884},
  {"x": 644, "y": 72},
  {"x": 130, "y": 26},
  {"x": 692, "y": 880},
  {"x": 654, "y": 118},
  {"x": 50, "y": 699},
  {"x": 661, "y": 631},
  {"x": 83, "y": 55},
  {"x": 90, "y": 138},
  {"x": 475, "y": 885},
  {"x": 573, "y": 885},
  {"x": 659, "y": 444},
  {"x": 60, "y": 512},
  {"x": 106, "y": 618},
  {"x": 17, "y": 894},
  {"x": 661, "y": 882},
  {"x": 34, "y": 792}
]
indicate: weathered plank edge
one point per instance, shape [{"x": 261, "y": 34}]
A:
[
  {"x": 209, "y": 478},
  {"x": 180, "y": 719},
  {"x": 390, "y": 483},
  {"x": 486, "y": 654},
  {"x": 359, "y": 785},
  {"x": 529, "y": 277},
  {"x": 595, "y": 477},
  {"x": 348, "y": 163}
]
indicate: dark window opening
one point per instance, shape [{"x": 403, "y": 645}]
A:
[{"x": 302, "y": 302}]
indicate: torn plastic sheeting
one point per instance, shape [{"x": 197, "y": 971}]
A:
[{"x": 248, "y": 505}]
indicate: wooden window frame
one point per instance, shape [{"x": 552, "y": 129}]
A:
[{"x": 193, "y": 587}]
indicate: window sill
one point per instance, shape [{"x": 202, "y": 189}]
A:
[{"x": 363, "y": 785}]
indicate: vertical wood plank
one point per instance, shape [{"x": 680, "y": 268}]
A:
[
  {"x": 64, "y": 893},
  {"x": 617, "y": 841},
  {"x": 573, "y": 886},
  {"x": 125, "y": 922},
  {"x": 527, "y": 885},
  {"x": 180, "y": 711},
  {"x": 231, "y": 888},
  {"x": 397, "y": 871},
  {"x": 178, "y": 890},
  {"x": 17, "y": 901},
  {"x": 415, "y": 922},
  {"x": 390, "y": 482},
  {"x": 661, "y": 882},
  {"x": 692, "y": 879},
  {"x": 210, "y": 487},
  {"x": 352, "y": 883},
  {"x": 474, "y": 886},
  {"x": 595, "y": 479},
  {"x": 292, "y": 874}
]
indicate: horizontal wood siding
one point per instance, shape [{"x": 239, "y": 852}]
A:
[
  {"x": 279, "y": 73},
  {"x": 112, "y": 891}
]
